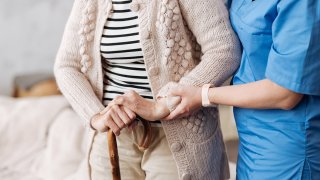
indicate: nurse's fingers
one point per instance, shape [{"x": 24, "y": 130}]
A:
[
  {"x": 177, "y": 91},
  {"x": 179, "y": 112}
]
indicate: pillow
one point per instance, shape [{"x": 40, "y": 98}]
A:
[{"x": 38, "y": 84}]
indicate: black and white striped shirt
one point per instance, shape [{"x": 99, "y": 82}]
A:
[{"x": 123, "y": 62}]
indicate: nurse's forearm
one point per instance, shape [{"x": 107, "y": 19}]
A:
[{"x": 262, "y": 94}]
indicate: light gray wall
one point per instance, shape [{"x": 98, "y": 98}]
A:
[{"x": 30, "y": 34}]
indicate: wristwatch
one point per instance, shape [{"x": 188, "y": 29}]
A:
[{"x": 205, "y": 97}]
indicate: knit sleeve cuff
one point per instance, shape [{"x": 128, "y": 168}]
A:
[{"x": 166, "y": 89}]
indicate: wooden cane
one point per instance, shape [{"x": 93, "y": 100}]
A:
[
  {"x": 114, "y": 156},
  {"x": 144, "y": 144},
  {"x": 113, "y": 148}
]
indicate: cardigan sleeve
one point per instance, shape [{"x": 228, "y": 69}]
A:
[
  {"x": 67, "y": 69},
  {"x": 209, "y": 22}
]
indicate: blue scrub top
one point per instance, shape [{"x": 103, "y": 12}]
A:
[{"x": 281, "y": 42}]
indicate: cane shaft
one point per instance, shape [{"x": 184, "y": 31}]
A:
[{"x": 114, "y": 156}]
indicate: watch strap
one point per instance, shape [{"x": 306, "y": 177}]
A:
[{"x": 204, "y": 95}]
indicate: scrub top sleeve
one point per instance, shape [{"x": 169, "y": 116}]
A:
[{"x": 294, "y": 58}]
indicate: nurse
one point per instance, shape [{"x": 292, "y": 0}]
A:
[{"x": 275, "y": 92}]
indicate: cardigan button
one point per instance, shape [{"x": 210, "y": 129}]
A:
[
  {"x": 86, "y": 29},
  {"x": 154, "y": 71},
  {"x": 176, "y": 147},
  {"x": 186, "y": 176},
  {"x": 91, "y": 17},
  {"x": 91, "y": 9},
  {"x": 84, "y": 69},
  {"x": 89, "y": 37},
  {"x": 135, "y": 7},
  {"x": 82, "y": 50},
  {"x": 167, "y": 52},
  {"x": 170, "y": 43},
  {"x": 172, "y": 5},
  {"x": 146, "y": 35}
]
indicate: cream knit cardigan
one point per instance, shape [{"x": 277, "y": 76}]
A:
[{"x": 183, "y": 41}]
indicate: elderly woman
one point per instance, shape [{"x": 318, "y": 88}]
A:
[{"x": 111, "y": 47}]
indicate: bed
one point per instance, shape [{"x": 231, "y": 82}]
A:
[{"x": 41, "y": 138}]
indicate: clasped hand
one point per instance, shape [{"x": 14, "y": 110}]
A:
[{"x": 122, "y": 111}]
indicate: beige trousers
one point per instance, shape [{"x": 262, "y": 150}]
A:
[{"x": 155, "y": 163}]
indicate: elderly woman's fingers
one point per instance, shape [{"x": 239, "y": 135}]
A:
[
  {"x": 98, "y": 123},
  {"x": 123, "y": 101},
  {"x": 131, "y": 93},
  {"x": 112, "y": 125},
  {"x": 132, "y": 116},
  {"x": 132, "y": 125},
  {"x": 105, "y": 110},
  {"x": 115, "y": 112},
  {"x": 119, "y": 100},
  {"x": 124, "y": 116},
  {"x": 130, "y": 99},
  {"x": 147, "y": 109},
  {"x": 116, "y": 118}
]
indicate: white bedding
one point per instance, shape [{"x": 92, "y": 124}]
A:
[{"x": 40, "y": 139}]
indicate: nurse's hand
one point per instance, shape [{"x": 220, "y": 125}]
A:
[
  {"x": 190, "y": 101},
  {"x": 115, "y": 118}
]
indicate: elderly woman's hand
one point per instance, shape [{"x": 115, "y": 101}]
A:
[
  {"x": 148, "y": 110},
  {"x": 114, "y": 117},
  {"x": 190, "y": 101}
]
